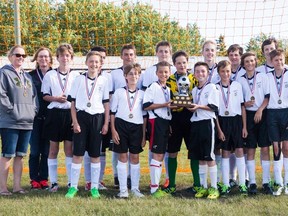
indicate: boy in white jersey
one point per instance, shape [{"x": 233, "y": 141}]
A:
[
  {"x": 163, "y": 53},
  {"x": 202, "y": 135},
  {"x": 106, "y": 139},
  {"x": 55, "y": 88},
  {"x": 255, "y": 88},
  {"x": 128, "y": 129},
  {"x": 231, "y": 126},
  {"x": 266, "y": 47},
  {"x": 90, "y": 114},
  {"x": 209, "y": 49},
  {"x": 128, "y": 56},
  {"x": 277, "y": 116},
  {"x": 157, "y": 99},
  {"x": 234, "y": 53}
]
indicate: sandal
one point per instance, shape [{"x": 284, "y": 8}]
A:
[
  {"x": 5, "y": 193},
  {"x": 22, "y": 191}
]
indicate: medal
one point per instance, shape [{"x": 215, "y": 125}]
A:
[
  {"x": 63, "y": 87},
  {"x": 131, "y": 105},
  {"x": 130, "y": 115},
  {"x": 225, "y": 98},
  {"x": 279, "y": 101},
  {"x": 252, "y": 98},
  {"x": 252, "y": 89},
  {"x": 226, "y": 112},
  {"x": 166, "y": 95},
  {"x": 279, "y": 85},
  {"x": 89, "y": 93}
]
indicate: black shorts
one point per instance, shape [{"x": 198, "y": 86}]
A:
[
  {"x": 232, "y": 129},
  {"x": 90, "y": 138},
  {"x": 159, "y": 134},
  {"x": 180, "y": 125},
  {"x": 257, "y": 133},
  {"x": 277, "y": 126},
  {"x": 58, "y": 125},
  {"x": 202, "y": 140},
  {"x": 130, "y": 135}
]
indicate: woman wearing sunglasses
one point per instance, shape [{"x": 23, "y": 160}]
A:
[{"x": 17, "y": 111}]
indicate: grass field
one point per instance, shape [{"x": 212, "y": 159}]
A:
[{"x": 183, "y": 203}]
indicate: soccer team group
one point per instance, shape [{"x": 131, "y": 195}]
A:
[{"x": 236, "y": 107}]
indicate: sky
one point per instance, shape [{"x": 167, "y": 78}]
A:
[{"x": 237, "y": 20}]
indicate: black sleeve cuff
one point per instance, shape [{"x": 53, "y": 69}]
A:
[{"x": 145, "y": 105}]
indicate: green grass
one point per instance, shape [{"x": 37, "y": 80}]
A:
[{"x": 183, "y": 203}]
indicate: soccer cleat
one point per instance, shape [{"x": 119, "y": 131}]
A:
[
  {"x": 267, "y": 189},
  {"x": 54, "y": 187},
  {"x": 252, "y": 189},
  {"x": 68, "y": 185},
  {"x": 116, "y": 183},
  {"x": 243, "y": 189},
  {"x": 277, "y": 189},
  {"x": 170, "y": 190},
  {"x": 219, "y": 185},
  {"x": 225, "y": 190},
  {"x": 102, "y": 186},
  {"x": 95, "y": 193},
  {"x": 247, "y": 182},
  {"x": 123, "y": 194},
  {"x": 203, "y": 192},
  {"x": 159, "y": 193},
  {"x": 35, "y": 185},
  {"x": 88, "y": 186},
  {"x": 213, "y": 193},
  {"x": 129, "y": 183},
  {"x": 232, "y": 183},
  {"x": 71, "y": 192},
  {"x": 286, "y": 189},
  {"x": 137, "y": 193},
  {"x": 166, "y": 184},
  {"x": 44, "y": 184}
]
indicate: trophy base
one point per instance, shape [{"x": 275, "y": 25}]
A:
[{"x": 182, "y": 101}]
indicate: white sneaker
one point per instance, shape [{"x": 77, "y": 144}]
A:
[
  {"x": 137, "y": 193},
  {"x": 286, "y": 189},
  {"x": 278, "y": 190},
  {"x": 102, "y": 186},
  {"x": 123, "y": 194}
]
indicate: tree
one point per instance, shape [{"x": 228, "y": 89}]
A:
[{"x": 221, "y": 46}]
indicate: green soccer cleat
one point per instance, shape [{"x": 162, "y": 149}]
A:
[
  {"x": 225, "y": 190},
  {"x": 213, "y": 193},
  {"x": 71, "y": 192},
  {"x": 243, "y": 190},
  {"x": 95, "y": 193},
  {"x": 170, "y": 190},
  {"x": 159, "y": 193},
  {"x": 203, "y": 192}
]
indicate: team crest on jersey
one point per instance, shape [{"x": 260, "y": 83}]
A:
[
  {"x": 206, "y": 95},
  {"x": 258, "y": 84},
  {"x": 235, "y": 92}
]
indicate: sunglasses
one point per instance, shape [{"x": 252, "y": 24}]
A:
[{"x": 20, "y": 55}]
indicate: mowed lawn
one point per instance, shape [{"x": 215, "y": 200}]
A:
[{"x": 183, "y": 203}]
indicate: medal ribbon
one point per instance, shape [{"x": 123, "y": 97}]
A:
[
  {"x": 166, "y": 95},
  {"x": 254, "y": 82},
  {"x": 89, "y": 93},
  {"x": 279, "y": 90},
  {"x": 39, "y": 76},
  {"x": 131, "y": 105},
  {"x": 211, "y": 74},
  {"x": 199, "y": 94},
  {"x": 236, "y": 74},
  {"x": 63, "y": 87},
  {"x": 225, "y": 99}
]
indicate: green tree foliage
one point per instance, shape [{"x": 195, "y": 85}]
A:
[
  {"x": 221, "y": 46},
  {"x": 86, "y": 23}
]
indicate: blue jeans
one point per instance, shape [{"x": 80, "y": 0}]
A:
[
  {"x": 39, "y": 150},
  {"x": 14, "y": 142}
]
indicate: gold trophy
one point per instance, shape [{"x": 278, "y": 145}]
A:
[{"x": 183, "y": 99}]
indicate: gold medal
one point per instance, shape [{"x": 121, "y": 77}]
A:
[
  {"x": 88, "y": 104},
  {"x": 279, "y": 101},
  {"x": 226, "y": 112},
  {"x": 252, "y": 98},
  {"x": 130, "y": 115},
  {"x": 25, "y": 94}
]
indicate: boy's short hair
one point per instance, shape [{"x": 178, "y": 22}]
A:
[
  {"x": 179, "y": 53},
  {"x": 202, "y": 64},
  {"x": 208, "y": 42},
  {"x": 92, "y": 53},
  {"x": 64, "y": 47},
  {"x": 268, "y": 42},
  {"x": 162, "y": 64},
  {"x": 163, "y": 43},
  {"x": 127, "y": 47},
  {"x": 129, "y": 67},
  {"x": 276, "y": 52},
  {"x": 223, "y": 64},
  {"x": 247, "y": 54},
  {"x": 235, "y": 47},
  {"x": 98, "y": 49}
]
